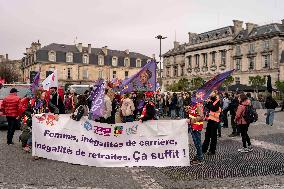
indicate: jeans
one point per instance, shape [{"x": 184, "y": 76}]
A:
[
  {"x": 173, "y": 114},
  {"x": 181, "y": 113},
  {"x": 210, "y": 137},
  {"x": 12, "y": 125},
  {"x": 244, "y": 133},
  {"x": 196, "y": 137},
  {"x": 270, "y": 116}
]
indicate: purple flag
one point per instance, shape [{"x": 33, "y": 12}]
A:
[
  {"x": 97, "y": 95},
  {"x": 204, "y": 92},
  {"x": 35, "y": 83},
  {"x": 144, "y": 80}
]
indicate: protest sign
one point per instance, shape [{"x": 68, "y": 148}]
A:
[{"x": 157, "y": 143}]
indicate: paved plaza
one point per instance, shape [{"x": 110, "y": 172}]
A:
[{"x": 262, "y": 168}]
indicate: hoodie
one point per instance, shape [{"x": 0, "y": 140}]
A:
[{"x": 239, "y": 119}]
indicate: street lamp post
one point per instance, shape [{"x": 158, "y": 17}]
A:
[{"x": 160, "y": 37}]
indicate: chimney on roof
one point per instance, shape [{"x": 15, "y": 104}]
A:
[
  {"x": 190, "y": 37},
  {"x": 176, "y": 44},
  {"x": 249, "y": 27},
  {"x": 80, "y": 47},
  {"x": 104, "y": 49},
  {"x": 127, "y": 51},
  {"x": 7, "y": 57},
  {"x": 89, "y": 48},
  {"x": 238, "y": 26}
]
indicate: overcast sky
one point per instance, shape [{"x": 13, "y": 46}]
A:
[{"x": 122, "y": 24}]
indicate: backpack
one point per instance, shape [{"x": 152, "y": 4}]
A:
[{"x": 250, "y": 114}]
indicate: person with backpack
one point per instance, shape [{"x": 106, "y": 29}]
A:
[
  {"x": 226, "y": 102},
  {"x": 243, "y": 122},
  {"x": 270, "y": 105},
  {"x": 127, "y": 109}
]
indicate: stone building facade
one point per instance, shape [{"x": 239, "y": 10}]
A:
[
  {"x": 253, "y": 50},
  {"x": 76, "y": 64},
  {"x": 14, "y": 65}
]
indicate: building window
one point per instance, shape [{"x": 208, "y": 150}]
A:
[
  {"x": 238, "y": 50},
  {"x": 69, "y": 57},
  {"x": 86, "y": 59},
  {"x": 52, "y": 56},
  {"x": 197, "y": 60},
  {"x": 205, "y": 60},
  {"x": 213, "y": 54},
  {"x": 114, "y": 61},
  {"x": 223, "y": 57},
  {"x": 237, "y": 80},
  {"x": 101, "y": 60},
  {"x": 189, "y": 61},
  {"x": 126, "y": 62},
  {"x": 126, "y": 74},
  {"x": 175, "y": 71},
  {"x": 251, "y": 47},
  {"x": 138, "y": 63},
  {"x": 85, "y": 74},
  {"x": 113, "y": 74},
  {"x": 168, "y": 72},
  {"x": 238, "y": 64},
  {"x": 69, "y": 70},
  {"x": 182, "y": 70},
  {"x": 266, "y": 44},
  {"x": 266, "y": 61},
  {"x": 251, "y": 63},
  {"x": 100, "y": 74}
]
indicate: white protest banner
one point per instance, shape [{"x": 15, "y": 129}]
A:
[{"x": 157, "y": 143}]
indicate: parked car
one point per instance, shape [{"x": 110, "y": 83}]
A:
[{"x": 4, "y": 91}]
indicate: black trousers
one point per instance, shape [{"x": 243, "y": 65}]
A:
[
  {"x": 225, "y": 118},
  {"x": 12, "y": 125},
  {"x": 234, "y": 125},
  {"x": 210, "y": 137},
  {"x": 244, "y": 133}
]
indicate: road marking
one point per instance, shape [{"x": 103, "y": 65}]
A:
[{"x": 139, "y": 175}]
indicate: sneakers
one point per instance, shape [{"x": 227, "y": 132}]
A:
[
  {"x": 250, "y": 149},
  {"x": 243, "y": 150},
  {"x": 27, "y": 149},
  {"x": 196, "y": 162}
]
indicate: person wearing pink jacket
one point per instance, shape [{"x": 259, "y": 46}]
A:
[{"x": 242, "y": 124}]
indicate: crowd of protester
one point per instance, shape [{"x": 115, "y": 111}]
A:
[{"x": 143, "y": 106}]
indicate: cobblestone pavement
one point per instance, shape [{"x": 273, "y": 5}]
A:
[{"x": 263, "y": 168}]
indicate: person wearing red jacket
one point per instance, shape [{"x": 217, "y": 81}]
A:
[
  {"x": 195, "y": 126},
  {"x": 11, "y": 110}
]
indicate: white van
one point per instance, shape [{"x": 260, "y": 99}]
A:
[{"x": 80, "y": 89}]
